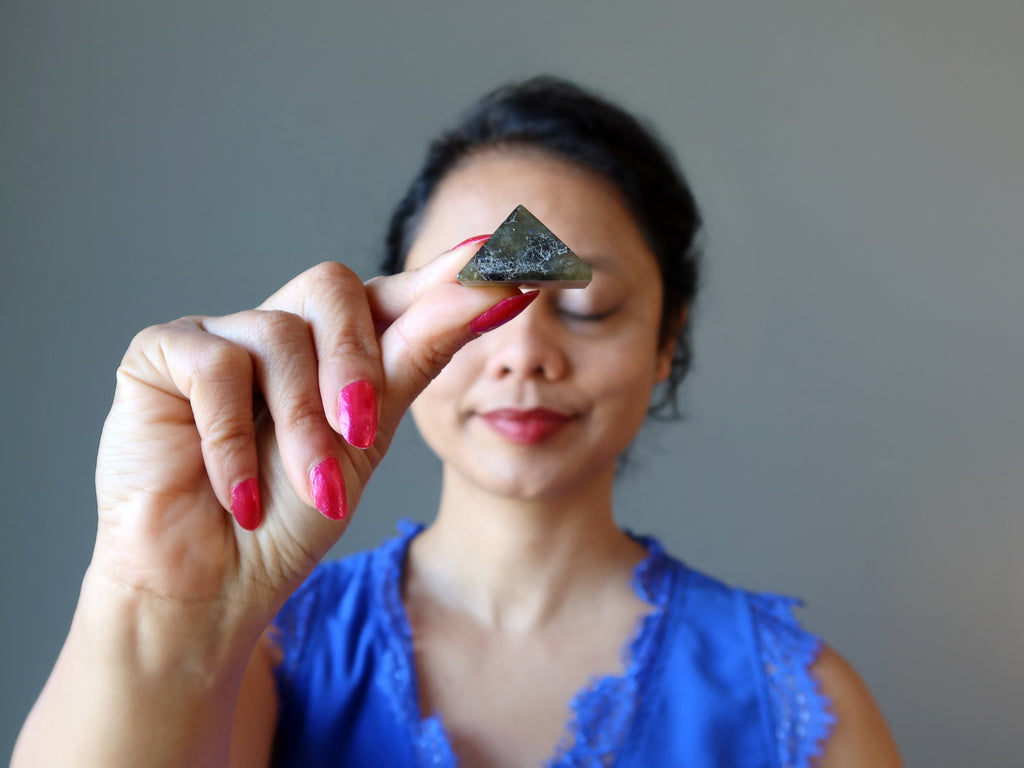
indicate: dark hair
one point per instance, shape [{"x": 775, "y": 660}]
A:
[{"x": 558, "y": 117}]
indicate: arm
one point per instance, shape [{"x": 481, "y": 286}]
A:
[
  {"x": 120, "y": 696},
  {"x": 195, "y": 711},
  {"x": 860, "y": 736},
  {"x": 163, "y": 664},
  {"x": 252, "y": 734}
]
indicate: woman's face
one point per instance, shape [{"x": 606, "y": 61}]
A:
[{"x": 545, "y": 404}]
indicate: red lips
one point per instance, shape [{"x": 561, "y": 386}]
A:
[{"x": 526, "y": 427}]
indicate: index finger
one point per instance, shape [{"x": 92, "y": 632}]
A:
[{"x": 391, "y": 295}]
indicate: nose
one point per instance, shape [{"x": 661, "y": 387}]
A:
[{"x": 531, "y": 346}]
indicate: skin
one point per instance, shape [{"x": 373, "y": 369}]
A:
[
  {"x": 501, "y": 590},
  {"x": 169, "y": 624},
  {"x": 522, "y": 598},
  {"x": 520, "y": 603}
]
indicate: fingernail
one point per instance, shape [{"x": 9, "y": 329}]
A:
[
  {"x": 472, "y": 241},
  {"x": 357, "y": 413},
  {"x": 245, "y": 503},
  {"x": 328, "y": 489},
  {"x": 502, "y": 312}
]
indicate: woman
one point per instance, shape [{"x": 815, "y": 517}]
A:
[{"x": 523, "y": 625}]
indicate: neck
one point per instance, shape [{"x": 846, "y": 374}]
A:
[{"x": 517, "y": 564}]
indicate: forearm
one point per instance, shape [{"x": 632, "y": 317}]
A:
[{"x": 136, "y": 685}]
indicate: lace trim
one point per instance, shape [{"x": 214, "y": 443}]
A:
[
  {"x": 602, "y": 712},
  {"x": 398, "y": 681},
  {"x": 800, "y": 711}
]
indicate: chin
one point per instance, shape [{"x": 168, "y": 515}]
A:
[{"x": 547, "y": 478}]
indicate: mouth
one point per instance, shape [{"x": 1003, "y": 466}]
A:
[{"x": 526, "y": 427}]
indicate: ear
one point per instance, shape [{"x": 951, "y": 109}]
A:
[{"x": 668, "y": 347}]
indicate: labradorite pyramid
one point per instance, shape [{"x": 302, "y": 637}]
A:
[{"x": 522, "y": 251}]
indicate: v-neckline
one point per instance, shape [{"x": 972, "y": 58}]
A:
[{"x": 602, "y": 711}]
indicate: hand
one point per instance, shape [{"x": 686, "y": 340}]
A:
[{"x": 207, "y": 407}]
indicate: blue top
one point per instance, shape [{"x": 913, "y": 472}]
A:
[{"x": 714, "y": 676}]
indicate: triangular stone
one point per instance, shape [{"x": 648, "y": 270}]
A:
[{"x": 522, "y": 251}]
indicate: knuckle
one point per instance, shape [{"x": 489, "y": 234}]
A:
[
  {"x": 333, "y": 287},
  {"x": 220, "y": 360},
  {"x": 435, "y": 356},
  {"x": 157, "y": 337},
  {"x": 232, "y": 436},
  {"x": 429, "y": 356},
  {"x": 148, "y": 350},
  {"x": 353, "y": 345},
  {"x": 332, "y": 273},
  {"x": 149, "y": 336},
  {"x": 279, "y": 325},
  {"x": 273, "y": 330},
  {"x": 303, "y": 416}
]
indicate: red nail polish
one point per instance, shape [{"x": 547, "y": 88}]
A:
[
  {"x": 328, "y": 487},
  {"x": 502, "y": 312},
  {"x": 357, "y": 413},
  {"x": 245, "y": 503},
  {"x": 472, "y": 241}
]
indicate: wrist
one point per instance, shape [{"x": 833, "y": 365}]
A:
[
  {"x": 205, "y": 643},
  {"x": 140, "y": 681}
]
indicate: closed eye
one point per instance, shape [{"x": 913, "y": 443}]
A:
[{"x": 587, "y": 317}]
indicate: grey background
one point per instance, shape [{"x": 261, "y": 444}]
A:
[{"x": 855, "y": 433}]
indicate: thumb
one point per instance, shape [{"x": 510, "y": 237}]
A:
[
  {"x": 391, "y": 295},
  {"x": 417, "y": 346}
]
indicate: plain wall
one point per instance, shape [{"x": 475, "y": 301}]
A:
[{"x": 855, "y": 425}]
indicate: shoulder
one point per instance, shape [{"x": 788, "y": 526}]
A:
[
  {"x": 860, "y": 735},
  {"x": 819, "y": 711},
  {"x": 837, "y": 722},
  {"x": 833, "y": 720}
]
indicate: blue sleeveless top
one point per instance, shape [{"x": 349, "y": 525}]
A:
[{"x": 714, "y": 676}]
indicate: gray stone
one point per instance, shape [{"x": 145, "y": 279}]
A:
[{"x": 522, "y": 251}]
